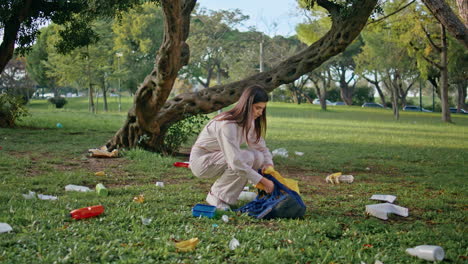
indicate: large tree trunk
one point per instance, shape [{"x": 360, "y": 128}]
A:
[
  {"x": 346, "y": 91},
  {"x": 442, "y": 11},
  {"x": 444, "y": 77},
  {"x": 151, "y": 116},
  {"x": 461, "y": 91}
]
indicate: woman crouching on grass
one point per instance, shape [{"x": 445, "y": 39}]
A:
[{"x": 217, "y": 152}]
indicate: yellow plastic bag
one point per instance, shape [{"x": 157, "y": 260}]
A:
[
  {"x": 290, "y": 183},
  {"x": 187, "y": 245}
]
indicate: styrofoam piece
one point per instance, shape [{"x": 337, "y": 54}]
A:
[
  {"x": 78, "y": 188},
  {"x": 298, "y": 153},
  {"x": 384, "y": 197},
  {"x": 46, "y": 197},
  {"x": 225, "y": 218},
  {"x": 247, "y": 196},
  {"x": 382, "y": 210},
  {"x": 4, "y": 227},
  {"x": 160, "y": 184}
]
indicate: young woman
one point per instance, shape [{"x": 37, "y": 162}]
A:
[{"x": 217, "y": 151}]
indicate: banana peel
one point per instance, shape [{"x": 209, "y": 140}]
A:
[
  {"x": 333, "y": 178},
  {"x": 187, "y": 245},
  {"x": 290, "y": 183}
]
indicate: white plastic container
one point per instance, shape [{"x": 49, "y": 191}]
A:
[
  {"x": 427, "y": 252},
  {"x": 77, "y": 188},
  {"x": 160, "y": 184},
  {"x": 346, "y": 178},
  {"x": 4, "y": 227},
  {"x": 247, "y": 196},
  {"x": 384, "y": 197}
]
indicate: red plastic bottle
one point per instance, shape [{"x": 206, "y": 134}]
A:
[
  {"x": 87, "y": 212},
  {"x": 182, "y": 164}
]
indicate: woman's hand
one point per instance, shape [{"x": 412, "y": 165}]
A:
[
  {"x": 265, "y": 166},
  {"x": 269, "y": 185}
]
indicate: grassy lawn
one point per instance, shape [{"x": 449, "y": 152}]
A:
[{"x": 419, "y": 159}]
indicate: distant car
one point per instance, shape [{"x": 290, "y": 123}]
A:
[
  {"x": 415, "y": 108},
  {"x": 454, "y": 110},
  {"x": 317, "y": 102},
  {"x": 372, "y": 105},
  {"x": 339, "y": 103}
]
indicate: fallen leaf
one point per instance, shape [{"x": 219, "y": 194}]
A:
[
  {"x": 139, "y": 199},
  {"x": 100, "y": 173}
]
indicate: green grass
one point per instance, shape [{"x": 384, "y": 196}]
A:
[{"x": 419, "y": 159}]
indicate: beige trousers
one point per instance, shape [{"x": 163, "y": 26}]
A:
[{"x": 229, "y": 184}]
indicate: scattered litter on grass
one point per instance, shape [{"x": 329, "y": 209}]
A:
[
  {"x": 101, "y": 189},
  {"x": 87, "y": 212},
  {"x": 146, "y": 221},
  {"x": 59, "y": 125},
  {"x": 200, "y": 210},
  {"x": 182, "y": 164},
  {"x": 384, "y": 197},
  {"x": 246, "y": 188},
  {"x": 30, "y": 195},
  {"x": 247, "y": 196},
  {"x": 282, "y": 152},
  {"x": 187, "y": 245},
  {"x": 77, "y": 188},
  {"x": 215, "y": 225},
  {"x": 100, "y": 173},
  {"x": 233, "y": 244},
  {"x": 4, "y": 228},
  {"x": 139, "y": 199},
  {"x": 225, "y": 218},
  {"x": 427, "y": 252},
  {"x": 367, "y": 169},
  {"x": 382, "y": 210},
  {"x": 160, "y": 184},
  {"x": 378, "y": 262},
  {"x": 298, "y": 153},
  {"x": 103, "y": 153},
  {"x": 47, "y": 197},
  {"x": 338, "y": 178}
]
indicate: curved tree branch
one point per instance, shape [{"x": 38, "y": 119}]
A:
[
  {"x": 343, "y": 31},
  {"x": 442, "y": 11}
]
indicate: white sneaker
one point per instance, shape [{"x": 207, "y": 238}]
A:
[{"x": 215, "y": 201}]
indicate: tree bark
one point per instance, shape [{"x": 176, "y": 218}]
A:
[
  {"x": 444, "y": 77},
  {"x": 461, "y": 91},
  {"x": 442, "y": 11},
  {"x": 463, "y": 11},
  {"x": 151, "y": 116}
]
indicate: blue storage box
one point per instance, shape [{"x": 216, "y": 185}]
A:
[{"x": 204, "y": 210}]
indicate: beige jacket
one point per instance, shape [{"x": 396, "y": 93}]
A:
[{"x": 227, "y": 137}]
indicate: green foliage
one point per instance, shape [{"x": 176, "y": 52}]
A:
[
  {"x": 180, "y": 132},
  {"x": 362, "y": 95},
  {"x": 59, "y": 102},
  {"x": 12, "y": 109},
  {"x": 334, "y": 95}
]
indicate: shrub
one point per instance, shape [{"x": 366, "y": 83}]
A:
[
  {"x": 362, "y": 95},
  {"x": 334, "y": 95},
  {"x": 12, "y": 109},
  {"x": 180, "y": 132},
  {"x": 59, "y": 102}
]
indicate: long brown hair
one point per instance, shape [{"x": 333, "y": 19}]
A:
[{"x": 242, "y": 112}]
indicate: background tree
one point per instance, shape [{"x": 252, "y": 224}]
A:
[
  {"x": 138, "y": 35},
  {"x": 20, "y": 21},
  {"x": 152, "y": 114},
  {"x": 15, "y": 80}
]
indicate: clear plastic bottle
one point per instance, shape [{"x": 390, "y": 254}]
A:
[
  {"x": 346, "y": 178},
  {"x": 427, "y": 252}
]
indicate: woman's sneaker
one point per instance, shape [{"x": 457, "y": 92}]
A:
[{"x": 215, "y": 201}]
